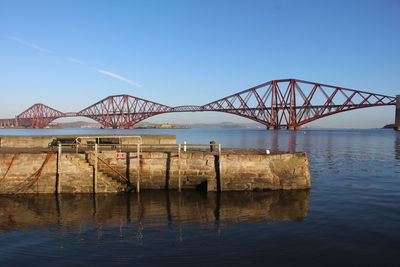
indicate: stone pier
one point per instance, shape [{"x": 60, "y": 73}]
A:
[{"x": 28, "y": 170}]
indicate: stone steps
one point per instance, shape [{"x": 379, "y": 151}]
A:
[{"x": 82, "y": 162}]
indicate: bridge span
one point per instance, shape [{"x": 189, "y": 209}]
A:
[
  {"x": 287, "y": 103},
  {"x": 9, "y": 123}
]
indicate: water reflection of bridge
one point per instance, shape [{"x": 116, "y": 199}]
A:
[{"x": 150, "y": 209}]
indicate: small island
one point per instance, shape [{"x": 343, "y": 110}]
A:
[{"x": 161, "y": 126}]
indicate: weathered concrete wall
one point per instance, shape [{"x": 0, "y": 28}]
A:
[
  {"x": 42, "y": 141},
  {"x": 76, "y": 176},
  {"x": 37, "y": 173},
  {"x": 23, "y": 174},
  {"x": 258, "y": 172},
  {"x": 72, "y": 211},
  {"x": 238, "y": 172},
  {"x": 160, "y": 170}
]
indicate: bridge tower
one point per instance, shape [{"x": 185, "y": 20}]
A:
[{"x": 397, "y": 119}]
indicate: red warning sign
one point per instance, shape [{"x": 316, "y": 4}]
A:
[{"x": 120, "y": 155}]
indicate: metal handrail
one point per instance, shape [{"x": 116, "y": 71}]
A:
[
  {"x": 182, "y": 145},
  {"x": 113, "y": 169},
  {"x": 79, "y": 138}
]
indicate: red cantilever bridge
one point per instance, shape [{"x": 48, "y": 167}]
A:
[{"x": 279, "y": 103}]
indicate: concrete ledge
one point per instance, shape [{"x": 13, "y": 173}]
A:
[{"x": 42, "y": 141}]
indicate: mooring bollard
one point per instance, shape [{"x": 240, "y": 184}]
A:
[{"x": 212, "y": 144}]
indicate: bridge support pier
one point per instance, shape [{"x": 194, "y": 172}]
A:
[
  {"x": 397, "y": 118},
  {"x": 272, "y": 128},
  {"x": 292, "y": 128}
]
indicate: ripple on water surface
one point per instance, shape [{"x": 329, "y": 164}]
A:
[{"x": 349, "y": 217}]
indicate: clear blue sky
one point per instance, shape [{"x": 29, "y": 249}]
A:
[{"x": 70, "y": 54}]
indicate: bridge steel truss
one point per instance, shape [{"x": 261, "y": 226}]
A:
[
  {"x": 291, "y": 103},
  {"x": 121, "y": 111},
  {"x": 39, "y": 116},
  {"x": 279, "y": 103}
]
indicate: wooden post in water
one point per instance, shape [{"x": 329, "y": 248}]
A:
[
  {"x": 96, "y": 159},
  {"x": 58, "y": 176},
  {"x": 138, "y": 169}
]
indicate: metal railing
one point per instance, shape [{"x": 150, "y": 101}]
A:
[
  {"x": 180, "y": 148},
  {"x": 97, "y": 140}
]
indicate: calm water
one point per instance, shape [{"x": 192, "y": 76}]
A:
[{"x": 351, "y": 216}]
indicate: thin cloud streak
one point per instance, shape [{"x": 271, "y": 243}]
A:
[
  {"x": 31, "y": 45},
  {"x": 116, "y": 76},
  {"x": 77, "y": 61}
]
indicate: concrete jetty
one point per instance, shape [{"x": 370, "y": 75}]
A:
[{"x": 105, "y": 164}]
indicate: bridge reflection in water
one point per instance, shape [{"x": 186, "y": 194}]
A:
[{"x": 151, "y": 209}]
